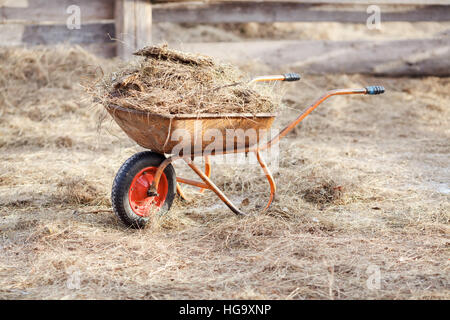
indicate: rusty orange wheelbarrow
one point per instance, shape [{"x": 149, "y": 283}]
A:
[{"x": 146, "y": 183}]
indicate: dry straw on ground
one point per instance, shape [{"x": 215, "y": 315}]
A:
[
  {"x": 168, "y": 81},
  {"x": 363, "y": 183},
  {"x": 30, "y": 77}
]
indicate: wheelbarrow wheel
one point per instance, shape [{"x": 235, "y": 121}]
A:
[{"x": 132, "y": 200}]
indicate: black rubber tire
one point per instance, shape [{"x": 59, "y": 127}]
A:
[{"x": 122, "y": 182}]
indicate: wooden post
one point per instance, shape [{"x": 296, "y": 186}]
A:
[{"x": 133, "y": 21}]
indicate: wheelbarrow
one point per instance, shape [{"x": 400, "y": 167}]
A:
[{"x": 147, "y": 184}]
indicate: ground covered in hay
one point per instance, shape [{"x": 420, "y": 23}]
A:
[
  {"x": 363, "y": 190},
  {"x": 167, "y": 81}
]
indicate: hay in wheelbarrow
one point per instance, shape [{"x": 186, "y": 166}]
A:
[{"x": 168, "y": 81}]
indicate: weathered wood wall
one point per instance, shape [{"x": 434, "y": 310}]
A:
[
  {"x": 118, "y": 27},
  {"x": 390, "y": 57},
  {"x": 43, "y": 22},
  {"x": 301, "y": 11},
  {"x": 133, "y": 25}
]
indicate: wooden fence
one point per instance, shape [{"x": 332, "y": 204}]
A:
[{"x": 118, "y": 27}]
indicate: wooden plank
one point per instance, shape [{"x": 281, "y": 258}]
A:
[
  {"x": 133, "y": 19},
  {"x": 92, "y": 10},
  {"x": 35, "y": 11},
  {"x": 143, "y": 35},
  {"x": 11, "y": 36},
  {"x": 415, "y": 57},
  {"x": 335, "y": 2},
  {"x": 236, "y": 12},
  {"x": 17, "y": 34}
]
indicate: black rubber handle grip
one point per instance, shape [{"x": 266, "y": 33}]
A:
[
  {"x": 374, "y": 90},
  {"x": 291, "y": 77}
]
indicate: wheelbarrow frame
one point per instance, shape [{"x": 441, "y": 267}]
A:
[
  {"x": 208, "y": 184},
  {"x": 138, "y": 131}
]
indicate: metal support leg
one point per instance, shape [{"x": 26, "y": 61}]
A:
[
  {"x": 160, "y": 170},
  {"x": 269, "y": 177},
  {"x": 214, "y": 188},
  {"x": 181, "y": 193},
  {"x": 207, "y": 170}
]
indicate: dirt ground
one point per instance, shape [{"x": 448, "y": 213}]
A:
[{"x": 363, "y": 194}]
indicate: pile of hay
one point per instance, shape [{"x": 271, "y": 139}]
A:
[
  {"x": 43, "y": 75},
  {"x": 167, "y": 81}
]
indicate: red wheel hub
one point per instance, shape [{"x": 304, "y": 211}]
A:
[{"x": 140, "y": 202}]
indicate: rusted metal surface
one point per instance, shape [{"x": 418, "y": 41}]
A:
[{"x": 156, "y": 132}]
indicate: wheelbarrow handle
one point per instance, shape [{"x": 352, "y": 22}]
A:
[
  {"x": 279, "y": 77},
  {"x": 291, "y": 76},
  {"x": 368, "y": 90},
  {"x": 374, "y": 90}
]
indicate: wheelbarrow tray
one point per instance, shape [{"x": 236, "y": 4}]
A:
[{"x": 155, "y": 131}]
